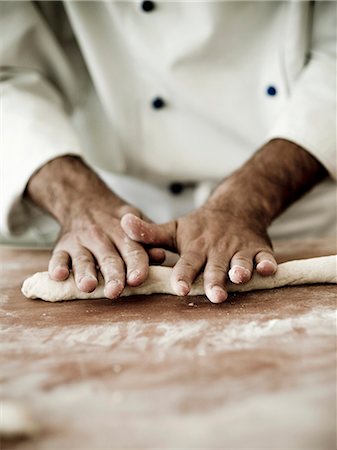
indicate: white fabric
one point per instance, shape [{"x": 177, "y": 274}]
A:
[{"x": 212, "y": 62}]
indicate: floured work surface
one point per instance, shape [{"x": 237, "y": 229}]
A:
[{"x": 162, "y": 372}]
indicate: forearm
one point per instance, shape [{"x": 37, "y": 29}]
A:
[
  {"x": 66, "y": 187},
  {"x": 276, "y": 176}
]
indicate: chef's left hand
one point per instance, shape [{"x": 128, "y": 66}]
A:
[
  {"x": 221, "y": 241},
  {"x": 227, "y": 237}
]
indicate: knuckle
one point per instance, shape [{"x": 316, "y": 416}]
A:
[
  {"x": 196, "y": 246},
  {"x": 136, "y": 254},
  {"x": 94, "y": 231},
  {"x": 128, "y": 209},
  {"x": 96, "y": 234},
  {"x": 61, "y": 244},
  {"x": 116, "y": 278},
  {"x": 223, "y": 249},
  {"x": 109, "y": 260},
  {"x": 82, "y": 260},
  {"x": 242, "y": 259},
  {"x": 59, "y": 254},
  {"x": 217, "y": 267},
  {"x": 200, "y": 242},
  {"x": 213, "y": 280},
  {"x": 111, "y": 265},
  {"x": 267, "y": 253},
  {"x": 191, "y": 257},
  {"x": 186, "y": 264},
  {"x": 214, "y": 275},
  {"x": 215, "y": 272}
]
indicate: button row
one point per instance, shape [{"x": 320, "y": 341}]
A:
[{"x": 158, "y": 102}]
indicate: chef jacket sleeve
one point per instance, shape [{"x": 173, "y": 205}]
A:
[
  {"x": 309, "y": 118},
  {"x": 35, "y": 111}
]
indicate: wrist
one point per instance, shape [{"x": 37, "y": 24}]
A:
[
  {"x": 277, "y": 175},
  {"x": 70, "y": 191},
  {"x": 242, "y": 200}
]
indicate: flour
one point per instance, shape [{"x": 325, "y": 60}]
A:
[
  {"x": 137, "y": 373},
  {"x": 181, "y": 336}
]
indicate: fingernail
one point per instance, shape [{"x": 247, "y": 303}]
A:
[
  {"x": 217, "y": 295},
  {"x": 113, "y": 289},
  {"x": 183, "y": 288},
  {"x": 266, "y": 266},
  {"x": 87, "y": 283},
  {"x": 132, "y": 276},
  {"x": 88, "y": 276},
  {"x": 60, "y": 273},
  {"x": 239, "y": 274}
]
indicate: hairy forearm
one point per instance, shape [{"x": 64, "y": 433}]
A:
[
  {"x": 66, "y": 187},
  {"x": 276, "y": 176}
]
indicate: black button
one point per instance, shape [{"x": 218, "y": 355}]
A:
[
  {"x": 176, "y": 188},
  {"x": 148, "y": 6},
  {"x": 271, "y": 90},
  {"x": 158, "y": 103}
]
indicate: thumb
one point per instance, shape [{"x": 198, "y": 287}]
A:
[{"x": 149, "y": 233}]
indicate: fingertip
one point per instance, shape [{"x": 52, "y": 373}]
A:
[
  {"x": 182, "y": 288},
  {"x": 128, "y": 218},
  {"x": 59, "y": 273},
  {"x": 88, "y": 283},
  {"x": 266, "y": 268},
  {"x": 239, "y": 274},
  {"x": 128, "y": 222},
  {"x": 156, "y": 255},
  {"x": 216, "y": 294},
  {"x": 113, "y": 289},
  {"x": 136, "y": 277}
]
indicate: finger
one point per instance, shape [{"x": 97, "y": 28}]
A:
[
  {"x": 58, "y": 267},
  {"x": 156, "y": 255},
  {"x": 215, "y": 276},
  {"x": 241, "y": 268},
  {"x": 185, "y": 271},
  {"x": 109, "y": 262},
  {"x": 266, "y": 264},
  {"x": 136, "y": 260},
  {"x": 128, "y": 209},
  {"x": 84, "y": 269},
  {"x": 149, "y": 233},
  {"x": 112, "y": 268}
]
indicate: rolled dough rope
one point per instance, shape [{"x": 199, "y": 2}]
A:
[{"x": 305, "y": 271}]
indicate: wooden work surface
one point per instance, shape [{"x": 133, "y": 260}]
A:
[{"x": 160, "y": 371}]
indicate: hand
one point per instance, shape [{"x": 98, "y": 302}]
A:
[
  {"x": 227, "y": 236},
  {"x": 91, "y": 235},
  {"x": 96, "y": 240},
  {"x": 223, "y": 242}
]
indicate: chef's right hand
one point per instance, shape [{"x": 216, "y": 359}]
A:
[{"x": 91, "y": 237}]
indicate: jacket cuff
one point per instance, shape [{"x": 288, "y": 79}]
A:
[{"x": 309, "y": 117}]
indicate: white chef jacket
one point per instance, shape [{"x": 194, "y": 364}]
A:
[{"x": 180, "y": 91}]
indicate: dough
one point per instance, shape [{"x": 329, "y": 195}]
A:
[
  {"x": 16, "y": 420},
  {"x": 305, "y": 271}
]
